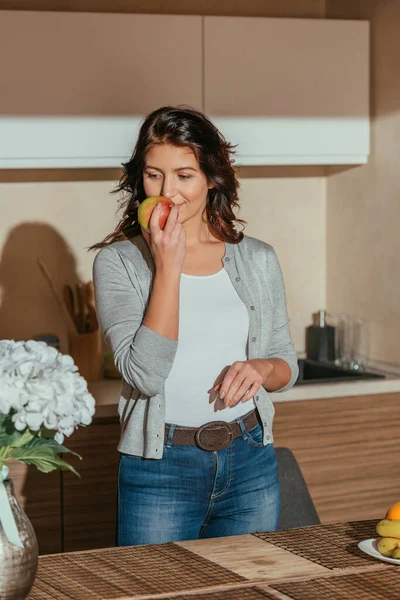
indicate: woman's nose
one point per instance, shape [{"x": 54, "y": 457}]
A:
[{"x": 168, "y": 187}]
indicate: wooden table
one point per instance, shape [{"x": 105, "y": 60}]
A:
[{"x": 248, "y": 566}]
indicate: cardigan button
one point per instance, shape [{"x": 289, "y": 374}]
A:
[
  {"x": 227, "y": 259},
  {"x": 252, "y": 308},
  {"x": 253, "y": 339},
  {"x": 237, "y": 279}
]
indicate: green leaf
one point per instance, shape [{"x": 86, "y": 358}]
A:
[
  {"x": 24, "y": 439},
  {"x": 10, "y": 439},
  {"x": 52, "y": 444},
  {"x": 43, "y": 458},
  {"x": 7, "y": 428},
  {"x": 15, "y": 439}
]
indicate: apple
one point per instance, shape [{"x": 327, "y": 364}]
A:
[{"x": 146, "y": 208}]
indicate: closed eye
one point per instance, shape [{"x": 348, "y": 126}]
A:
[{"x": 154, "y": 175}]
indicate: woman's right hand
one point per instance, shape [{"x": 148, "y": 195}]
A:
[{"x": 168, "y": 245}]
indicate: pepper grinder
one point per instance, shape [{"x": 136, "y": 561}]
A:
[{"x": 320, "y": 339}]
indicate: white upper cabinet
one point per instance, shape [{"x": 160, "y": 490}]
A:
[
  {"x": 74, "y": 87},
  {"x": 289, "y": 91}
]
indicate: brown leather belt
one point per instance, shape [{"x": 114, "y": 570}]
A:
[{"x": 212, "y": 436}]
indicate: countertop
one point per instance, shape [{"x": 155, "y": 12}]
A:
[
  {"x": 340, "y": 389},
  {"x": 107, "y": 391}
]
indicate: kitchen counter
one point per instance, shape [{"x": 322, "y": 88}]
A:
[
  {"x": 107, "y": 391},
  {"x": 340, "y": 389}
]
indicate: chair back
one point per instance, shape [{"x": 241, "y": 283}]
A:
[{"x": 297, "y": 507}]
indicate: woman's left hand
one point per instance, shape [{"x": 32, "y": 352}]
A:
[{"x": 243, "y": 380}]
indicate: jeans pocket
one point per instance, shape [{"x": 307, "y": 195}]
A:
[
  {"x": 130, "y": 457},
  {"x": 135, "y": 457},
  {"x": 254, "y": 437}
]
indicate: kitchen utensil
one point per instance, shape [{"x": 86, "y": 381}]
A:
[
  {"x": 69, "y": 299},
  {"x": 70, "y": 323},
  {"x": 81, "y": 304},
  {"x": 92, "y": 323}
]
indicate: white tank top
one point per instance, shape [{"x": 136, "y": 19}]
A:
[{"x": 213, "y": 333}]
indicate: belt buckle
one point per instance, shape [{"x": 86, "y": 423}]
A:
[{"x": 214, "y": 431}]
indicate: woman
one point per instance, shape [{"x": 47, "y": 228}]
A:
[{"x": 196, "y": 317}]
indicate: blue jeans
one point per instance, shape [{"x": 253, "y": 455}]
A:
[{"x": 190, "y": 493}]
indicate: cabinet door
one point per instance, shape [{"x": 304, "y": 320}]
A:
[
  {"x": 55, "y": 63},
  {"x": 90, "y": 502},
  {"x": 347, "y": 451},
  {"x": 39, "y": 494},
  {"x": 289, "y": 87}
]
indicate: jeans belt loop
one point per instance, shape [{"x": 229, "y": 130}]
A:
[
  {"x": 171, "y": 431},
  {"x": 242, "y": 428}
]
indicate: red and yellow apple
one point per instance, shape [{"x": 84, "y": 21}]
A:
[{"x": 146, "y": 208}]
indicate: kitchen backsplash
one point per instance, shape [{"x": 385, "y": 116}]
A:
[{"x": 57, "y": 221}]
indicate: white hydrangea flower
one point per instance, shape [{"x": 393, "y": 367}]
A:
[{"x": 42, "y": 388}]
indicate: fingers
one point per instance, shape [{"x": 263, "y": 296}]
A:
[
  {"x": 239, "y": 385},
  {"x": 171, "y": 220},
  {"x": 247, "y": 395},
  {"x": 238, "y": 390},
  {"x": 229, "y": 380},
  {"x": 182, "y": 236},
  {"x": 154, "y": 222}
]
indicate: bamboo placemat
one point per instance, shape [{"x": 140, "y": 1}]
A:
[
  {"x": 250, "y": 593},
  {"x": 333, "y": 546},
  {"x": 127, "y": 571},
  {"x": 370, "y": 585}
]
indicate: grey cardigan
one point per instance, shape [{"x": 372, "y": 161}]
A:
[{"x": 122, "y": 274}]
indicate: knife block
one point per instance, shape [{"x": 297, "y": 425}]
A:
[{"x": 87, "y": 351}]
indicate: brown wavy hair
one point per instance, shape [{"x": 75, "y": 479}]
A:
[{"x": 188, "y": 127}]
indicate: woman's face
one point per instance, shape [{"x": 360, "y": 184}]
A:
[{"x": 174, "y": 172}]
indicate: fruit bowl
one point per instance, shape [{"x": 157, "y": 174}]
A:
[
  {"x": 387, "y": 546},
  {"x": 370, "y": 547}
]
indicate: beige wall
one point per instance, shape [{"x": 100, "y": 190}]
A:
[
  {"x": 289, "y": 213},
  {"x": 57, "y": 221},
  {"x": 54, "y": 221},
  {"x": 363, "y": 203},
  {"x": 56, "y": 214}
]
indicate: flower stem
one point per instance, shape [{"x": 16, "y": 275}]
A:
[{"x": 4, "y": 450}]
